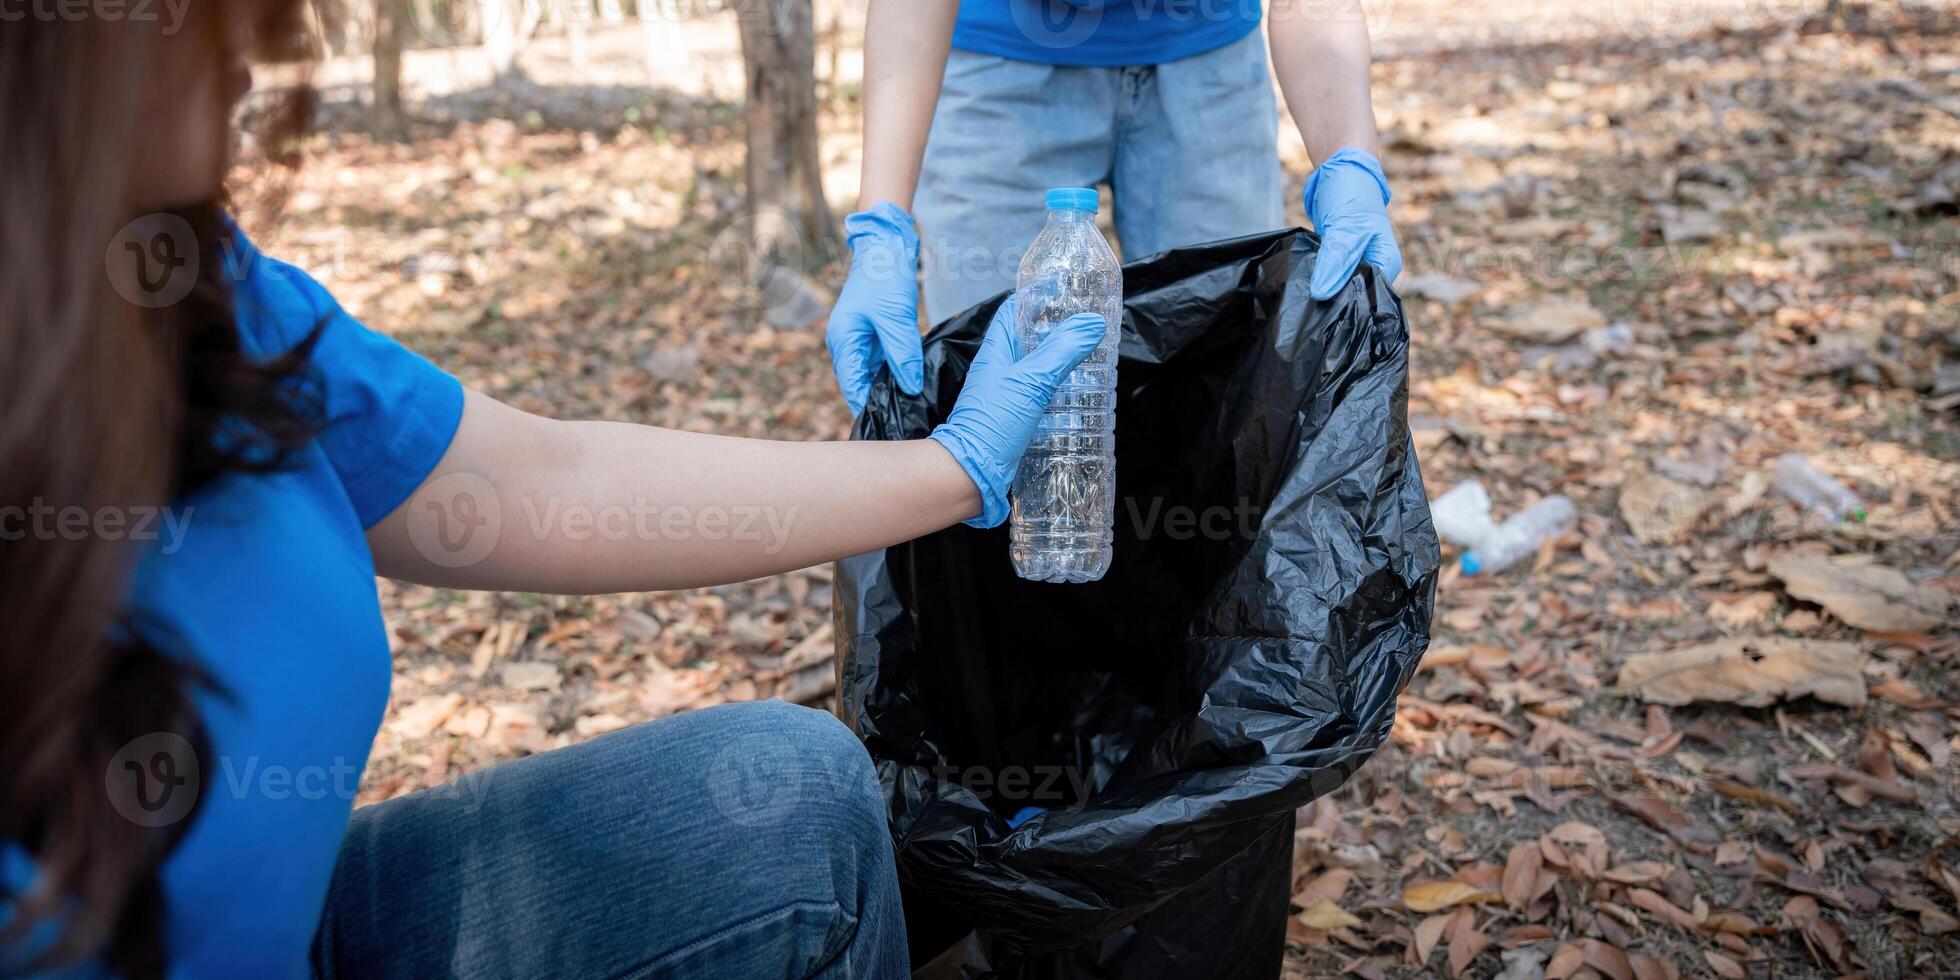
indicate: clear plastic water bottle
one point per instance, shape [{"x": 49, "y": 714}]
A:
[
  {"x": 1064, "y": 497},
  {"x": 1521, "y": 536},
  {"x": 1814, "y": 490}
]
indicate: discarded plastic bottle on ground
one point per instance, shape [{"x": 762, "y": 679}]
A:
[
  {"x": 1521, "y": 536},
  {"x": 1461, "y": 516},
  {"x": 1814, "y": 490},
  {"x": 1064, "y": 495}
]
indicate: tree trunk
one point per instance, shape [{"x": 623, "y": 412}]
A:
[
  {"x": 784, "y": 169},
  {"x": 390, "y": 30}
]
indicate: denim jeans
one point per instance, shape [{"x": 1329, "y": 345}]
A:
[
  {"x": 736, "y": 841},
  {"x": 1189, "y": 149}
]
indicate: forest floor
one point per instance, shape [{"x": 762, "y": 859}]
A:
[{"x": 1769, "y": 210}]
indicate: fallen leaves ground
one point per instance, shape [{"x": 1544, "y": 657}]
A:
[{"x": 1639, "y": 270}]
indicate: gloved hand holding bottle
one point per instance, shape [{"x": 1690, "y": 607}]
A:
[
  {"x": 1347, "y": 201},
  {"x": 1007, "y": 390},
  {"x": 876, "y": 319}
]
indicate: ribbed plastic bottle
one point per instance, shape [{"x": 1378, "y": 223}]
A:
[
  {"x": 1521, "y": 536},
  {"x": 1064, "y": 496}
]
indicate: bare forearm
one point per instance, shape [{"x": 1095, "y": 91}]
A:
[
  {"x": 594, "y": 507},
  {"x": 905, "y": 47},
  {"x": 1321, "y": 56}
]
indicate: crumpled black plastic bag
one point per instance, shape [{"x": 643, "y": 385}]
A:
[{"x": 1271, "y": 593}]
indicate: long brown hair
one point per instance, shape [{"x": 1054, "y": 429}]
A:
[{"x": 106, "y": 404}]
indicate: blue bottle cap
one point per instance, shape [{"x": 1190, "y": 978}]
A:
[
  {"x": 1470, "y": 563},
  {"x": 1073, "y": 199}
]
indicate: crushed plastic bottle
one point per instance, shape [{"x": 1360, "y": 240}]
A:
[
  {"x": 1814, "y": 490},
  {"x": 1521, "y": 536},
  {"x": 1462, "y": 515},
  {"x": 1064, "y": 496}
]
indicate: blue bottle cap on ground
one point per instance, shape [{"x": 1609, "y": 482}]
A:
[
  {"x": 1470, "y": 563},
  {"x": 1072, "y": 199}
]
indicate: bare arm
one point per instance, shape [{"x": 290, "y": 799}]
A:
[
  {"x": 594, "y": 507},
  {"x": 905, "y": 46},
  {"x": 1321, "y": 54}
]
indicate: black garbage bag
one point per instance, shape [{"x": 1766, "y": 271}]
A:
[{"x": 1270, "y": 595}]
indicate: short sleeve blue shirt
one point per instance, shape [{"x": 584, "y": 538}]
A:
[
  {"x": 266, "y": 581},
  {"x": 1102, "y": 33}
]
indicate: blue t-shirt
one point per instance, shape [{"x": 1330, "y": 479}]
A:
[
  {"x": 1102, "y": 33},
  {"x": 267, "y": 581}
]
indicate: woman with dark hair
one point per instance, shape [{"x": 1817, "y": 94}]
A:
[{"x": 183, "y": 721}]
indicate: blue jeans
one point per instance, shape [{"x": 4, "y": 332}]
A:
[
  {"x": 1189, "y": 149},
  {"x": 737, "y": 841}
]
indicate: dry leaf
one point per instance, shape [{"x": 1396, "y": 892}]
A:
[
  {"x": 1329, "y": 887},
  {"x": 1724, "y": 965},
  {"x": 1430, "y": 896},
  {"x": 421, "y": 717},
  {"x": 1465, "y": 940},
  {"x": 599, "y": 724},
  {"x": 1327, "y": 917},
  {"x": 1653, "y": 904},
  {"x": 1661, "y": 510},
  {"x": 1521, "y": 874},
  {"x": 1827, "y": 944},
  {"x": 1870, "y": 597},
  {"x": 1566, "y": 960},
  {"x": 1427, "y": 933},
  {"x": 1636, "y": 872},
  {"x": 1664, "y": 817},
  {"x": 1550, "y": 321},
  {"x": 1647, "y": 967},
  {"x": 530, "y": 675},
  {"x": 1609, "y": 960},
  {"x": 1751, "y": 671},
  {"x": 1752, "y": 794},
  {"x": 470, "y": 722},
  {"x": 1737, "y": 611},
  {"x": 1519, "y": 935}
]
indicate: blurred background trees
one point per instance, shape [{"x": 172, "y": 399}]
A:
[{"x": 778, "y": 42}]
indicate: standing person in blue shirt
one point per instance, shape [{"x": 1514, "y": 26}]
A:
[
  {"x": 973, "y": 109},
  {"x": 186, "y": 703}
]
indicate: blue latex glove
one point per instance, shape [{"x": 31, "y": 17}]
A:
[
  {"x": 1347, "y": 200},
  {"x": 876, "y": 319},
  {"x": 1001, "y": 405}
]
